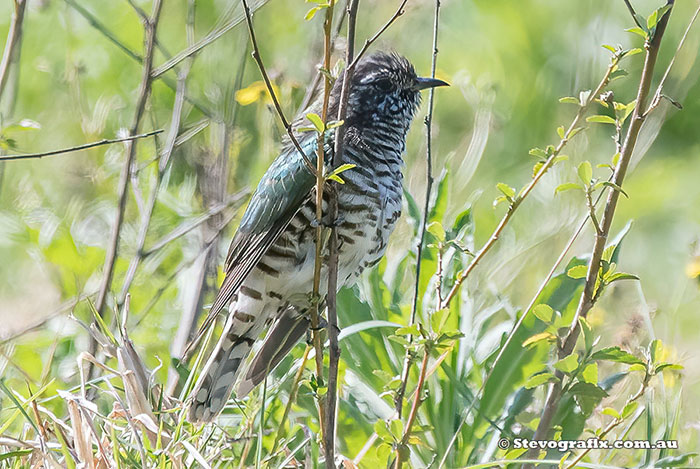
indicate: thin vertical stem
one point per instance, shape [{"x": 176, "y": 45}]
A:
[
  {"x": 331, "y": 301},
  {"x": 588, "y": 297},
  {"x": 150, "y": 27},
  {"x": 398, "y": 400}
]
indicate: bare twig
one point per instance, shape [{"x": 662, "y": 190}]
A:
[
  {"x": 398, "y": 399},
  {"x": 107, "y": 33},
  {"x": 271, "y": 91},
  {"x": 205, "y": 41},
  {"x": 588, "y": 297},
  {"x": 426, "y": 212},
  {"x": 331, "y": 299},
  {"x": 634, "y": 14},
  {"x": 85, "y": 146},
  {"x": 164, "y": 158},
  {"x": 370, "y": 41},
  {"x": 311, "y": 89},
  {"x": 315, "y": 309},
  {"x": 150, "y": 27},
  {"x": 14, "y": 36},
  {"x": 659, "y": 89}
]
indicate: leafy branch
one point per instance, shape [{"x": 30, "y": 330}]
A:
[{"x": 589, "y": 297}]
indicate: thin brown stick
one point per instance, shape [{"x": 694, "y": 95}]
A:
[
  {"x": 292, "y": 397},
  {"x": 84, "y": 146},
  {"x": 518, "y": 200},
  {"x": 315, "y": 310},
  {"x": 14, "y": 36},
  {"x": 634, "y": 14},
  {"x": 111, "y": 37},
  {"x": 370, "y": 41},
  {"x": 613, "y": 424},
  {"x": 588, "y": 297},
  {"x": 398, "y": 399},
  {"x": 311, "y": 89},
  {"x": 258, "y": 60},
  {"x": 426, "y": 212},
  {"x": 414, "y": 411},
  {"x": 331, "y": 299},
  {"x": 204, "y": 42},
  {"x": 150, "y": 27},
  {"x": 163, "y": 161}
]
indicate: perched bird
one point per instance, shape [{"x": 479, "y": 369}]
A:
[{"x": 270, "y": 264}]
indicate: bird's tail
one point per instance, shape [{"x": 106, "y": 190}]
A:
[{"x": 215, "y": 384}]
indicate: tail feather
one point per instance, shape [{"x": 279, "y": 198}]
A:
[
  {"x": 282, "y": 337},
  {"x": 215, "y": 384}
]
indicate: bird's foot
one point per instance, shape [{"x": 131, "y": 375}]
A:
[{"x": 326, "y": 222}]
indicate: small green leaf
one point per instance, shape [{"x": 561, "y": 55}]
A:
[
  {"x": 655, "y": 346},
  {"x": 538, "y": 380},
  {"x": 435, "y": 228},
  {"x": 343, "y": 167},
  {"x": 613, "y": 186},
  {"x": 336, "y": 178},
  {"x": 637, "y": 30},
  {"x": 629, "y": 409},
  {"x": 587, "y": 331},
  {"x": 561, "y": 131},
  {"x": 574, "y": 132},
  {"x": 585, "y": 172},
  {"x": 316, "y": 121},
  {"x": 577, "y": 271},
  {"x": 311, "y": 13},
  {"x": 590, "y": 373},
  {"x": 549, "y": 337},
  {"x": 616, "y": 354},
  {"x": 334, "y": 124},
  {"x": 508, "y": 191},
  {"x": 610, "y": 48},
  {"x": 631, "y": 52},
  {"x": 612, "y": 412},
  {"x": 600, "y": 119},
  {"x": 588, "y": 390},
  {"x": 619, "y": 73},
  {"x": 408, "y": 330},
  {"x": 569, "y": 100},
  {"x": 498, "y": 200},
  {"x": 567, "y": 364},
  {"x": 543, "y": 312},
  {"x": 667, "y": 366},
  {"x": 567, "y": 186},
  {"x": 620, "y": 276},
  {"x": 380, "y": 428},
  {"x": 396, "y": 427},
  {"x": 536, "y": 168}
]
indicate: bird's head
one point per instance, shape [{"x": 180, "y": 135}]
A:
[{"x": 385, "y": 88}]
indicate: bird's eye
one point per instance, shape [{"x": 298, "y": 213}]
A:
[{"x": 383, "y": 84}]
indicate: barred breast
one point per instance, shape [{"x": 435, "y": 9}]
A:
[{"x": 369, "y": 205}]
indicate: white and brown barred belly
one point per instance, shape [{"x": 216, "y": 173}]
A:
[{"x": 369, "y": 204}]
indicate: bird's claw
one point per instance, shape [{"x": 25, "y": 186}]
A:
[{"x": 327, "y": 223}]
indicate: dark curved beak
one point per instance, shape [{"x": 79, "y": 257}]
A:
[{"x": 423, "y": 83}]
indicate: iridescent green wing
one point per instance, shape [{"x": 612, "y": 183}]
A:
[{"x": 284, "y": 188}]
